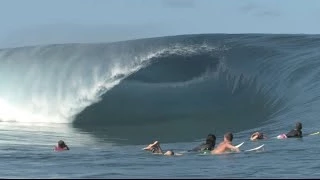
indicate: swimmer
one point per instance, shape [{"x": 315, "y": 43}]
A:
[
  {"x": 208, "y": 145},
  {"x": 294, "y": 133},
  {"x": 257, "y": 136},
  {"x": 156, "y": 149},
  {"x": 61, "y": 146},
  {"x": 226, "y": 145}
]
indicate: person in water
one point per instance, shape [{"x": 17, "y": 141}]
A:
[
  {"x": 61, "y": 146},
  {"x": 208, "y": 145},
  {"x": 226, "y": 145},
  {"x": 257, "y": 136},
  {"x": 294, "y": 133},
  {"x": 156, "y": 149}
]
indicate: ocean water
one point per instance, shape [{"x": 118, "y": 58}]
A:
[{"x": 107, "y": 101}]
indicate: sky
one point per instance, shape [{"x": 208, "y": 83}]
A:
[{"x": 34, "y": 22}]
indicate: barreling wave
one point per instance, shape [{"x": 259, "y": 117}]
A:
[{"x": 172, "y": 88}]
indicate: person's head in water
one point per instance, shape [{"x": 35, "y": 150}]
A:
[
  {"x": 61, "y": 144},
  {"x": 228, "y": 136},
  {"x": 260, "y": 135},
  {"x": 257, "y": 135},
  {"x": 169, "y": 153},
  {"x": 211, "y": 139},
  {"x": 298, "y": 126}
]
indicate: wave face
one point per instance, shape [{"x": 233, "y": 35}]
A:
[{"x": 171, "y": 88}]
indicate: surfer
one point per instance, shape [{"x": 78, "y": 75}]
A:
[
  {"x": 61, "y": 146},
  {"x": 208, "y": 145},
  {"x": 156, "y": 149},
  {"x": 294, "y": 133},
  {"x": 226, "y": 145},
  {"x": 257, "y": 136}
]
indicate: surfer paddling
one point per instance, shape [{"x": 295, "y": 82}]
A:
[
  {"x": 156, "y": 149},
  {"x": 257, "y": 136},
  {"x": 226, "y": 145},
  {"x": 294, "y": 133},
  {"x": 208, "y": 145},
  {"x": 61, "y": 146}
]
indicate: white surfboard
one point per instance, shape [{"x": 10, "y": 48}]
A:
[
  {"x": 316, "y": 133},
  {"x": 254, "y": 149},
  {"x": 239, "y": 145}
]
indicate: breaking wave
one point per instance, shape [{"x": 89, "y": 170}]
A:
[{"x": 172, "y": 88}]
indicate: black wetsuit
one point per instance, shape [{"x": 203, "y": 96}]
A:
[
  {"x": 203, "y": 147},
  {"x": 294, "y": 133},
  {"x": 156, "y": 150}
]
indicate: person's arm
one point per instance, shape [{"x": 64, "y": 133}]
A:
[
  {"x": 233, "y": 148},
  {"x": 67, "y": 147},
  {"x": 201, "y": 147},
  {"x": 254, "y": 137},
  {"x": 155, "y": 148},
  {"x": 178, "y": 154},
  {"x": 198, "y": 148},
  {"x": 150, "y": 146}
]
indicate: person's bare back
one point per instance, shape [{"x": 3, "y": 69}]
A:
[{"x": 226, "y": 145}]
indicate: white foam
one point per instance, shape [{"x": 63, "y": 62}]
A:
[{"x": 52, "y": 92}]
